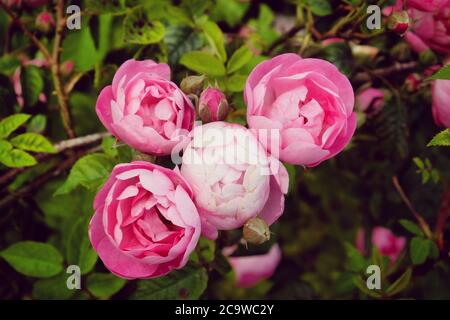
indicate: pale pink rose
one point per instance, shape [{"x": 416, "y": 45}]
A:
[
  {"x": 250, "y": 270},
  {"x": 145, "y": 222},
  {"x": 429, "y": 28},
  {"x": 144, "y": 109},
  {"x": 441, "y": 102},
  {"x": 212, "y": 105},
  {"x": 370, "y": 100},
  {"x": 307, "y": 101},
  {"x": 384, "y": 240},
  {"x": 233, "y": 178}
]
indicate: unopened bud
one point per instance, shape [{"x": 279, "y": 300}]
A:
[
  {"x": 412, "y": 82},
  {"x": 44, "y": 21},
  {"x": 192, "y": 84},
  {"x": 212, "y": 105},
  {"x": 256, "y": 231},
  {"x": 398, "y": 22},
  {"x": 364, "y": 53}
]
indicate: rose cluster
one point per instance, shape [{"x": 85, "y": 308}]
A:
[{"x": 148, "y": 218}]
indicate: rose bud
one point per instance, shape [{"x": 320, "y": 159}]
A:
[
  {"x": 412, "y": 82},
  {"x": 67, "y": 67},
  {"x": 192, "y": 84},
  {"x": 44, "y": 21},
  {"x": 256, "y": 231},
  {"x": 212, "y": 106},
  {"x": 398, "y": 22}
]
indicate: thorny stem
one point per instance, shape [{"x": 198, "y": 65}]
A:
[{"x": 422, "y": 223}]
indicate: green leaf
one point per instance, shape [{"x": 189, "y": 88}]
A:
[
  {"x": 232, "y": 11},
  {"x": 186, "y": 283},
  {"x": 240, "y": 58},
  {"x": 90, "y": 171},
  {"x": 79, "y": 248},
  {"x": 35, "y": 259},
  {"x": 236, "y": 83},
  {"x": 104, "y": 285},
  {"x": 31, "y": 141},
  {"x": 419, "y": 163},
  {"x": 419, "y": 249},
  {"x": 8, "y": 64},
  {"x": 141, "y": 26},
  {"x": 320, "y": 7},
  {"x": 215, "y": 38},
  {"x": 32, "y": 84},
  {"x": 79, "y": 47},
  {"x": 17, "y": 158},
  {"x": 105, "y": 6},
  {"x": 203, "y": 62},
  {"x": 400, "y": 284},
  {"x": 205, "y": 251},
  {"x": 109, "y": 146},
  {"x": 11, "y": 123},
  {"x": 37, "y": 123},
  {"x": 442, "y": 74},
  {"x": 411, "y": 227},
  {"x": 5, "y": 146},
  {"x": 180, "y": 40},
  {"x": 54, "y": 288},
  {"x": 355, "y": 260},
  {"x": 83, "y": 113},
  {"x": 441, "y": 139}
]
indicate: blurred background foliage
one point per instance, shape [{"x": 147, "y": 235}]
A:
[{"x": 45, "y": 210}]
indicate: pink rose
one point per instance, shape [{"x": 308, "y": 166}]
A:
[
  {"x": 144, "y": 108},
  {"x": 145, "y": 222},
  {"x": 250, "y": 270},
  {"x": 441, "y": 102},
  {"x": 212, "y": 105},
  {"x": 232, "y": 177},
  {"x": 370, "y": 100},
  {"x": 308, "y": 101},
  {"x": 430, "y": 26},
  {"x": 382, "y": 238}
]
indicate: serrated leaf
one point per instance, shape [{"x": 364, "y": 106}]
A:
[
  {"x": 32, "y": 84},
  {"x": 17, "y": 158},
  {"x": 104, "y": 285},
  {"x": 419, "y": 249},
  {"x": 441, "y": 74},
  {"x": 109, "y": 146},
  {"x": 90, "y": 171},
  {"x": 54, "y": 288},
  {"x": 203, "y": 63},
  {"x": 142, "y": 27},
  {"x": 215, "y": 38},
  {"x": 31, "y": 141},
  {"x": 411, "y": 227},
  {"x": 186, "y": 283},
  {"x": 35, "y": 259},
  {"x": 400, "y": 284},
  {"x": 11, "y": 123},
  {"x": 79, "y": 248},
  {"x": 240, "y": 58},
  {"x": 441, "y": 139}
]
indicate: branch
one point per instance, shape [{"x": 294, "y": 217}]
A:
[
  {"x": 442, "y": 218},
  {"x": 397, "y": 67},
  {"x": 422, "y": 223},
  {"x": 56, "y": 72},
  {"x": 32, "y": 37}
]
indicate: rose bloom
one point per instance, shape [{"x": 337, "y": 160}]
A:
[
  {"x": 430, "y": 24},
  {"x": 441, "y": 102},
  {"x": 387, "y": 243},
  {"x": 308, "y": 101},
  {"x": 145, "y": 222},
  {"x": 250, "y": 270},
  {"x": 144, "y": 109},
  {"x": 233, "y": 178}
]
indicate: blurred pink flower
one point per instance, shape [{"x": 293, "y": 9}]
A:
[
  {"x": 309, "y": 102},
  {"x": 441, "y": 102},
  {"x": 144, "y": 109},
  {"x": 145, "y": 222},
  {"x": 250, "y": 270},
  {"x": 370, "y": 100},
  {"x": 382, "y": 238}
]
